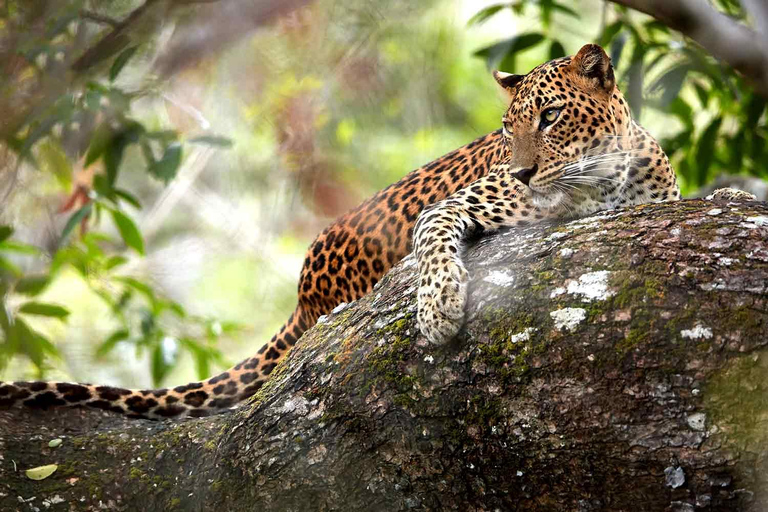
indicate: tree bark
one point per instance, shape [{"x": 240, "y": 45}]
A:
[{"x": 618, "y": 362}]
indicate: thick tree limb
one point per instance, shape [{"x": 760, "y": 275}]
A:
[
  {"x": 726, "y": 39},
  {"x": 614, "y": 363}
]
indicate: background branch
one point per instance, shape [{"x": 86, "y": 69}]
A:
[{"x": 726, "y": 39}]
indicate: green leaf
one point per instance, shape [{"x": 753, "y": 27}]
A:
[
  {"x": 41, "y": 472},
  {"x": 120, "y": 62},
  {"x": 44, "y": 309},
  {"x": 129, "y": 134},
  {"x": 670, "y": 83},
  {"x": 705, "y": 150},
  {"x": 128, "y": 231},
  {"x": 635, "y": 89},
  {"x": 115, "y": 261},
  {"x": 501, "y": 55},
  {"x": 102, "y": 136},
  {"x": 166, "y": 136},
  {"x": 485, "y": 13},
  {"x": 9, "y": 267},
  {"x": 565, "y": 10},
  {"x": 75, "y": 219},
  {"x": 32, "y": 285},
  {"x": 201, "y": 355},
  {"x": 32, "y": 344},
  {"x": 127, "y": 197},
  {"x": 212, "y": 140},
  {"x": 755, "y": 108},
  {"x": 610, "y": 32},
  {"x": 109, "y": 344},
  {"x": 702, "y": 93},
  {"x": 556, "y": 50},
  {"x": 138, "y": 286},
  {"x": 166, "y": 168},
  {"x": 519, "y": 44},
  {"x": 53, "y": 160},
  {"x": 19, "y": 248},
  {"x": 5, "y": 232},
  {"x": 158, "y": 365}
]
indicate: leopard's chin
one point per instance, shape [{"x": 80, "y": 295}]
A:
[{"x": 548, "y": 200}]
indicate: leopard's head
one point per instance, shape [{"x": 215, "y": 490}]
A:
[{"x": 567, "y": 129}]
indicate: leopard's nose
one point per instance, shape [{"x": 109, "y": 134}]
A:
[{"x": 525, "y": 175}]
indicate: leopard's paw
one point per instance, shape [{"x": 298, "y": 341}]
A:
[
  {"x": 442, "y": 296},
  {"x": 731, "y": 194}
]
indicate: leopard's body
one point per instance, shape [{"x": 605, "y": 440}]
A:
[
  {"x": 343, "y": 263},
  {"x": 505, "y": 178}
]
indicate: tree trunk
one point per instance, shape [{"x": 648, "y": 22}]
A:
[{"x": 618, "y": 362}]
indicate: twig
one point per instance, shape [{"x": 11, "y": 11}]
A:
[{"x": 99, "y": 18}]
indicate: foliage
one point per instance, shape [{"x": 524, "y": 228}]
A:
[
  {"x": 78, "y": 119},
  {"x": 720, "y": 121},
  {"x": 88, "y": 126}
]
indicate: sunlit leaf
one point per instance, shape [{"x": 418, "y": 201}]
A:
[
  {"x": 9, "y": 267},
  {"x": 128, "y": 231},
  {"x": 44, "y": 309},
  {"x": 53, "y": 160},
  {"x": 41, "y": 472},
  {"x": 19, "y": 248},
  {"x": 120, "y": 62},
  {"x": 32, "y": 285}
]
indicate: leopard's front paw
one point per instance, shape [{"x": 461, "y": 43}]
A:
[
  {"x": 731, "y": 194},
  {"x": 442, "y": 296}
]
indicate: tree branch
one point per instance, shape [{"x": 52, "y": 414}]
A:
[
  {"x": 720, "y": 35},
  {"x": 618, "y": 362}
]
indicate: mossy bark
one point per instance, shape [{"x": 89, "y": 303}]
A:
[{"x": 619, "y": 362}]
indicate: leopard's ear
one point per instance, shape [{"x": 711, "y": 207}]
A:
[
  {"x": 507, "y": 81},
  {"x": 595, "y": 65}
]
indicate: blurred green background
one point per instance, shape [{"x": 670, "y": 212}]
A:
[{"x": 156, "y": 199}]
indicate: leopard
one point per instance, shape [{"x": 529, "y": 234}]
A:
[
  {"x": 573, "y": 150},
  {"x": 568, "y": 146}
]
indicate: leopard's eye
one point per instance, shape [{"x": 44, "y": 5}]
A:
[
  {"x": 549, "y": 116},
  {"x": 507, "y": 128}
]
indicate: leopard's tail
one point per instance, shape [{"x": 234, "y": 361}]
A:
[{"x": 196, "y": 399}]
